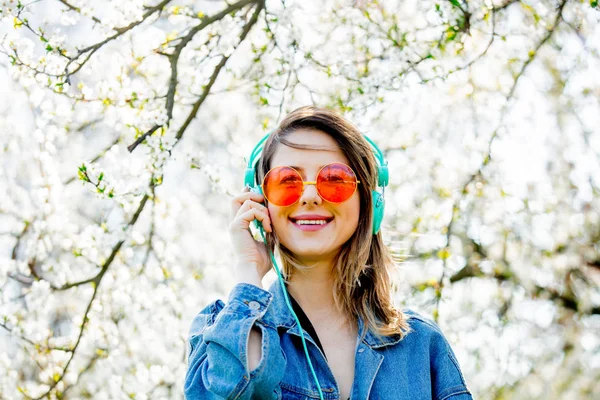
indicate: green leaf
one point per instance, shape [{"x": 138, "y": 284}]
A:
[
  {"x": 455, "y": 3},
  {"x": 594, "y": 3},
  {"x": 451, "y": 34}
]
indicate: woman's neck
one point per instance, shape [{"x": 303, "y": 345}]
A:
[{"x": 312, "y": 289}]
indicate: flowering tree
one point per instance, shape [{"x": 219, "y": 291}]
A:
[{"x": 124, "y": 128}]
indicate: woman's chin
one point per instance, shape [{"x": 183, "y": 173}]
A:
[{"x": 305, "y": 252}]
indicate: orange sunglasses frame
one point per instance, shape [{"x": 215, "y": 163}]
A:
[{"x": 304, "y": 183}]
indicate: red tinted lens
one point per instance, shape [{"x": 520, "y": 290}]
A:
[
  {"x": 282, "y": 186},
  {"x": 336, "y": 182}
]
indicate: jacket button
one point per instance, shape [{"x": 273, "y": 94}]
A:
[
  {"x": 254, "y": 305},
  {"x": 361, "y": 350}
]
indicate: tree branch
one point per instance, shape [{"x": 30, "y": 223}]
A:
[
  {"x": 487, "y": 158},
  {"x": 216, "y": 71},
  {"x": 90, "y": 50},
  {"x": 83, "y": 325},
  {"x": 569, "y": 302},
  {"x": 31, "y": 342},
  {"x": 78, "y": 10},
  {"x": 174, "y": 60},
  {"x": 506, "y": 4},
  {"x": 97, "y": 278},
  {"x": 139, "y": 140},
  {"x": 534, "y": 52}
]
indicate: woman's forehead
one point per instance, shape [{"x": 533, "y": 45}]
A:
[{"x": 324, "y": 150}]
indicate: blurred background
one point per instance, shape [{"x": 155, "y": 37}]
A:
[{"x": 124, "y": 130}]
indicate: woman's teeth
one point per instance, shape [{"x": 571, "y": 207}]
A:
[{"x": 311, "y": 222}]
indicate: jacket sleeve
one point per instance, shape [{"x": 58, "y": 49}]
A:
[{"x": 217, "y": 348}]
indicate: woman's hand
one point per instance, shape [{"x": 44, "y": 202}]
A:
[{"x": 251, "y": 255}]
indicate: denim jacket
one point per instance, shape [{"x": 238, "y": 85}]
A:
[{"x": 420, "y": 366}]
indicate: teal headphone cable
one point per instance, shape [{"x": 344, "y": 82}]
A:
[{"x": 287, "y": 300}]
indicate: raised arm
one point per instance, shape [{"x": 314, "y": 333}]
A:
[{"x": 218, "y": 358}]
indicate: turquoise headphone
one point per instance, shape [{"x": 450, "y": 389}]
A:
[
  {"x": 378, "y": 200},
  {"x": 378, "y": 208}
]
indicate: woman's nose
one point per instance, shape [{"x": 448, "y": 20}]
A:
[{"x": 310, "y": 195}]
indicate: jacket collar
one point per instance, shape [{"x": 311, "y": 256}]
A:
[{"x": 279, "y": 315}]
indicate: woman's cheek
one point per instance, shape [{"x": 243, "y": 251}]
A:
[{"x": 278, "y": 220}]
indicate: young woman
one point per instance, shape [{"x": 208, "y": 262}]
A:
[{"x": 318, "y": 177}]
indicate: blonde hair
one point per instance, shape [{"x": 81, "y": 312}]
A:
[{"x": 361, "y": 280}]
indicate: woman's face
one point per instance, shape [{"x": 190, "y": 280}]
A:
[{"x": 313, "y": 245}]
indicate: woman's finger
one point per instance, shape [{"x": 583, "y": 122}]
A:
[
  {"x": 239, "y": 200},
  {"x": 246, "y": 217}
]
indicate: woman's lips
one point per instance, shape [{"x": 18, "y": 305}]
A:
[{"x": 312, "y": 227}]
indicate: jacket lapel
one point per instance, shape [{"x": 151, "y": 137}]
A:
[{"x": 366, "y": 364}]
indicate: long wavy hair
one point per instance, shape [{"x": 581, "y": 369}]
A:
[{"x": 361, "y": 280}]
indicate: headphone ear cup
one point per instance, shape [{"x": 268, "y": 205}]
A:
[
  {"x": 378, "y": 208},
  {"x": 249, "y": 177},
  {"x": 383, "y": 176}
]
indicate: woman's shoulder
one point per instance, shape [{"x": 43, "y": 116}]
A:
[
  {"x": 426, "y": 341},
  {"x": 420, "y": 323},
  {"x": 423, "y": 330}
]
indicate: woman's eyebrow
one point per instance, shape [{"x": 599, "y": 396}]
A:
[{"x": 302, "y": 169}]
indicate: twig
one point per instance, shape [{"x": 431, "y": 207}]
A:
[
  {"x": 78, "y": 10},
  {"x": 139, "y": 140},
  {"x": 533, "y": 53},
  {"x": 97, "y": 157},
  {"x": 31, "y": 342},
  {"x": 83, "y": 325},
  {"x": 19, "y": 238},
  {"x": 90, "y": 50}
]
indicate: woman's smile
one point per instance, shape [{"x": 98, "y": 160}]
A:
[
  {"x": 310, "y": 222},
  {"x": 310, "y": 225}
]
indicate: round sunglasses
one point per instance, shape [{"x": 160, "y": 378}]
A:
[{"x": 283, "y": 186}]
